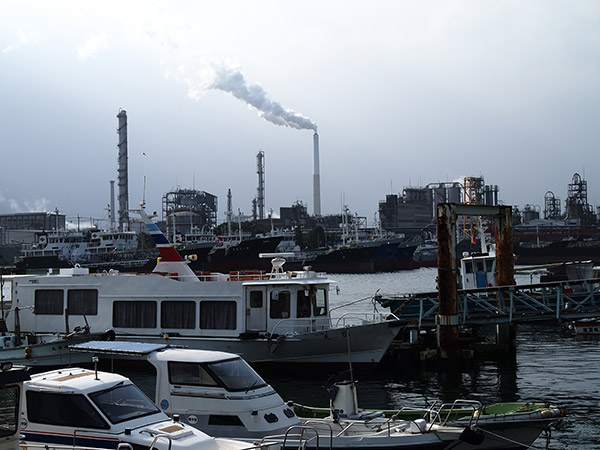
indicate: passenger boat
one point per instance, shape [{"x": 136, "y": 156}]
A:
[
  {"x": 273, "y": 319},
  {"x": 81, "y": 408}
]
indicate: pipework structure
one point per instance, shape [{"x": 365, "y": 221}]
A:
[
  {"x": 187, "y": 210},
  {"x": 123, "y": 181},
  {"x": 551, "y": 206}
]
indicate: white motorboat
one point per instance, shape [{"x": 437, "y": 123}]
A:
[
  {"x": 272, "y": 318},
  {"x": 84, "y": 408},
  {"x": 11, "y": 385},
  {"x": 220, "y": 394},
  {"x": 217, "y": 392}
]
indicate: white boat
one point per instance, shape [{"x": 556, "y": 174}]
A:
[
  {"x": 11, "y": 386},
  {"x": 267, "y": 318},
  {"x": 66, "y": 248},
  {"x": 220, "y": 394},
  {"x": 34, "y": 349},
  {"x": 80, "y": 408},
  {"x": 217, "y": 392}
]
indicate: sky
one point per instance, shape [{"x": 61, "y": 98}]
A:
[{"x": 403, "y": 93}]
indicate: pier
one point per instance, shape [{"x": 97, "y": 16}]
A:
[{"x": 541, "y": 302}]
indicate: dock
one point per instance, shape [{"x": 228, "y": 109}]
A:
[{"x": 527, "y": 303}]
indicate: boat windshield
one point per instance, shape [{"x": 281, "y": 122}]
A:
[
  {"x": 123, "y": 402},
  {"x": 236, "y": 374},
  {"x": 9, "y": 410}
]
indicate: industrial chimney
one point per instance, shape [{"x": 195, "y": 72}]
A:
[
  {"x": 316, "y": 178},
  {"x": 260, "y": 192},
  {"x": 122, "y": 170},
  {"x": 112, "y": 205}
]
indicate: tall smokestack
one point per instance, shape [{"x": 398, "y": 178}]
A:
[
  {"x": 123, "y": 181},
  {"x": 112, "y": 205},
  {"x": 260, "y": 194},
  {"x": 316, "y": 178},
  {"x": 229, "y": 213}
]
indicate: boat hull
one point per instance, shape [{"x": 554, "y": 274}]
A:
[{"x": 318, "y": 349}]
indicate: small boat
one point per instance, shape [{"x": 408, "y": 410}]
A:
[
  {"x": 220, "y": 394},
  {"x": 496, "y": 426},
  {"x": 11, "y": 385},
  {"x": 78, "y": 407},
  {"x": 583, "y": 327},
  {"x": 216, "y": 392},
  {"x": 39, "y": 349}
]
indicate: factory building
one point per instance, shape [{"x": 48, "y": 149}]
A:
[
  {"x": 189, "y": 210},
  {"x": 415, "y": 209}
]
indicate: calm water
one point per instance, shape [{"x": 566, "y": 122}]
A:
[{"x": 548, "y": 367}]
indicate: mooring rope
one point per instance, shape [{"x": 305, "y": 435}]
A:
[{"x": 512, "y": 441}]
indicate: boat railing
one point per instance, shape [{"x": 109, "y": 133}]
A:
[
  {"x": 161, "y": 436},
  {"x": 445, "y": 412},
  {"x": 558, "y": 301},
  {"x": 300, "y": 435},
  {"x": 301, "y": 325},
  {"x": 43, "y": 446},
  {"x": 354, "y": 318}
]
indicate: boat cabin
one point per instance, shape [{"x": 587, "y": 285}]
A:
[
  {"x": 239, "y": 304},
  {"x": 216, "y": 392},
  {"x": 478, "y": 270},
  {"x": 77, "y": 407}
]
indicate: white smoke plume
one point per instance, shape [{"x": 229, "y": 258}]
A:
[{"x": 230, "y": 79}]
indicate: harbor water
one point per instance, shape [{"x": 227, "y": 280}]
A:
[{"x": 548, "y": 366}]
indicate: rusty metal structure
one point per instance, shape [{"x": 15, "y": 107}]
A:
[
  {"x": 551, "y": 206},
  {"x": 448, "y": 319},
  {"x": 476, "y": 192}
]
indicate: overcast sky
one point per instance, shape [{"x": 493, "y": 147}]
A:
[{"x": 404, "y": 93}]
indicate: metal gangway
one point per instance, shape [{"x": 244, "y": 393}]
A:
[{"x": 524, "y": 303}]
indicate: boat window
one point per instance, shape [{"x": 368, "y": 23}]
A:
[
  {"x": 480, "y": 266},
  {"x": 9, "y": 410},
  {"x": 123, "y": 402},
  {"x": 192, "y": 374},
  {"x": 236, "y": 375},
  {"x": 82, "y": 301},
  {"x": 218, "y": 315},
  {"x": 280, "y": 305},
  {"x": 468, "y": 266},
  {"x": 65, "y": 410},
  {"x": 176, "y": 314},
  {"x": 220, "y": 419},
  {"x": 303, "y": 303},
  {"x": 320, "y": 302},
  {"x": 256, "y": 299},
  {"x": 134, "y": 314},
  {"x": 49, "y": 301}
]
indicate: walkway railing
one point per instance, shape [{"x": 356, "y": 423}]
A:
[{"x": 556, "y": 301}]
